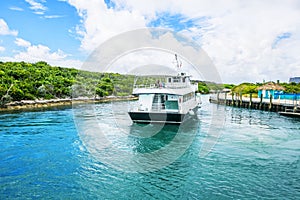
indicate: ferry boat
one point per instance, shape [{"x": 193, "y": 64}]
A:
[{"x": 167, "y": 100}]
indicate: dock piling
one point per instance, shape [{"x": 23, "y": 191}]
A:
[
  {"x": 250, "y": 102},
  {"x": 232, "y": 96},
  {"x": 255, "y": 103},
  {"x": 261, "y": 100},
  {"x": 270, "y": 105}
]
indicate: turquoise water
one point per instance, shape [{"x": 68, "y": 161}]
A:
[{"x": 256, "y": 156}]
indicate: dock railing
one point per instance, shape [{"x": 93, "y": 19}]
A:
[{"x": 256, "y": 103}]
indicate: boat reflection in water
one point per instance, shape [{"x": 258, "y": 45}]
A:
[{"x": 147, "y": 138}]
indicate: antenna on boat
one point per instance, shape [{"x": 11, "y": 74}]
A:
[{"x": 178, "y": 63}]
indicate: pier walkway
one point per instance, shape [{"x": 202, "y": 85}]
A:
[{"x": 274, "y": 105}]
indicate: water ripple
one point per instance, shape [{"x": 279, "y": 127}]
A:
[{"x": 42, "y": 156}]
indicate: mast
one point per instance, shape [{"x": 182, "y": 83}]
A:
[{"x": 178, "y": 64}]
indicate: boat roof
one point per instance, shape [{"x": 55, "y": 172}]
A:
[
  {"x": 177, "y": 91},
  {"x": 155, "y": 70}
]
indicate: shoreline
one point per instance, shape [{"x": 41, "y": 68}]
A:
[{"x": 40, "y": 104}]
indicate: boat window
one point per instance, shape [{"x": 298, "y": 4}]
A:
[
  {"x": 170, "y": 80},
  {"x": 172, "y": 97},
  {"x": 188, "y": 96},
  {"x": 176, "y": 80}
]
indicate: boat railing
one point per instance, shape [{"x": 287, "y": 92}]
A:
[
  {"x": 177, "y": 85},
  {"x": 158, "y": 106},
  {"x": 167, "y": 85},
  {"x": 145, "y": 86}
]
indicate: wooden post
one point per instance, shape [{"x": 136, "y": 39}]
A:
[
  {"x": 241, "y": 100},
  {"x": 225, "y": 98},
  {"x": 218, "y": 98},
  {"x": 250, "y": 103},
  {"x": 260, "y": 103},
  {"x": 270, "y": 106},
  {"x": 232, "y": 97}
]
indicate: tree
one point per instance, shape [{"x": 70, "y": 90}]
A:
[
  {"x": 203, "y": 88},
  {"x": 245, "y": 88},
  {"x": 105, "y": 87}
]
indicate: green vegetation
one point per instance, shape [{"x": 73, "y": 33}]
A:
[
  {"x": 244, "y": 88},
  {"x": 247, "y": 88},
  {"x": 207, "y": 87},
  {"x": 291, "y": 87},
  {"x": 30, "y": 81},
  {"x": 203, "y": 88},
  {"x": 26, "y": 81},
  {"x": 229, "y": 86}
]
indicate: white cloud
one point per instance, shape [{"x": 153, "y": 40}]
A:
[
  {"x": 22, "y": 43},
  {"x": 241, "y": 42},
  {"x": 35, "y": 53},
  {"x": 38, "y": 52},
  {"x": 4, "y": 29},
  {"x": 239, "y": 36},
  {"x": 39, "y": 12},
  {"x": 16, "y": 8},
  {"x": 100, "y": 23},
  {"x": 36, "y": 6},
  {"x": 145, "y": 58},
  {"x": 53, "y": 16},
  {"x": 2, "y": 49}
]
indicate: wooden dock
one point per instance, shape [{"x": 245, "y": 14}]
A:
[
  {"x": 273, "y": 105},
  {"x": 290, "y": 114}
]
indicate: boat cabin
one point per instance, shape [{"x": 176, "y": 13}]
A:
[{"x": 167, "y": 94}]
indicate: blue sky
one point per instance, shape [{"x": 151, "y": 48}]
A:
[
  {"x": 52, "y": 29},
  {"x": 247, "y": 41}
]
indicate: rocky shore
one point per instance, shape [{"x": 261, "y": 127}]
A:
[{"x": 32, "y": 104}]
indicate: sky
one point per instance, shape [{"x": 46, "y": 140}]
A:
[{"x": 247, "y": 41}]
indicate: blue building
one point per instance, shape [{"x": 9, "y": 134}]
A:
[
  {"x": 295, "y": 80},
  {"x": 269, "y": 89}
]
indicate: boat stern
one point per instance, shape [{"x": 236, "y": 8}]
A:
[{"x": 156, "y": 117}]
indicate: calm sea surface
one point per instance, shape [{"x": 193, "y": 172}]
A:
[{"x": 62, "y": 154}]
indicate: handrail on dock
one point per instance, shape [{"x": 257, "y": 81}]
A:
[{"x": 270, "y": 104}]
